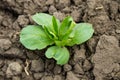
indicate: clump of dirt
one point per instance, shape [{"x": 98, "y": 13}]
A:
[
  {"x": 97, "y": 59},
  {"x": 107, "y": 58}
]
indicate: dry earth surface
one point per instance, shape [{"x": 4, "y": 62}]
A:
[{"x": 97, "y": 59}]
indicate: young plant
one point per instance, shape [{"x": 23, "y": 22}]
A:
[{"x": 51, "y": 32}]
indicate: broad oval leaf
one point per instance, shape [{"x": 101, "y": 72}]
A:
[
  {"x": 51, "y": 51},
  {"x": 33, "y": 37},
  {"x": 43, "y": 19},
  {"x": 83, "y": 32},
  {"x": 48, "y": 21},
  {"x": 61, "y": 55}
]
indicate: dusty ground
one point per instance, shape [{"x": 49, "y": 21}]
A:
[{"x": 97, "y": 59}]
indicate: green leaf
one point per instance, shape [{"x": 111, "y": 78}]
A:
[
  {"x": 51, "y": 51},
  {"x": 61, "y": 55},
  {"x": 65, "y": 26},
  {"x": 48, "y": 33},
  {"x": 62, "y": 42},
  {"x": 69, "y": 31},
  {"x": 33, "y": 37},
  {"x": 56, "y": 24},
  {"x": 83, "y": 32},
  {"x": 66, "y": 38},
  {"x": 49, "y": 22},
  {"x": 43, "y": 19}
]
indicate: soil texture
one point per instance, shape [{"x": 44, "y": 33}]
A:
[{"x": 97, "y": 59}]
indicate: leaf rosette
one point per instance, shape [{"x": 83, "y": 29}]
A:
[{"x": 50, "y": 31}]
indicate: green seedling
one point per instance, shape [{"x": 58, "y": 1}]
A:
[{"x": 49, "y": 31}]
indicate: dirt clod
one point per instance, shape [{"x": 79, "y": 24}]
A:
[
  {"x": 22, "y": 20},
  {"x": 107, "y": 56},
  {"x": 58, "y": 77},
  {"x": 5, "y": 44},
  {"x": 78, "y": 69},
  {"x": 79, "y": 54},
  {"x": 76, "y": 15},
  {"x": 15, "y": 78},
  {"x": 37, "y": 65},
  {"x": 57, "y": 69},
  {"x": 14, "y": 52},
  {"x": 118, "y": 31},
  {"x": 49, "y": 2},
  {"x": 47, "y": 78},
  {"x": 38, "y": 76},
  {"x": 59, "y": 15},
  {"x": 52, "y": 9},
  {"x": 66, "y": 10},
  {"x": 67, "y": 67},
  {"x": 87, "y": 65},
  {"x": 77, "y": 2},
  {"x": 92, "y": 44},
  {"x": 32, "y": 56},
  {"x": 71, "y": 76},
  {"x": 64, "y": 4},
  {"x": 113, "y": 9},
  {"x": 13, "y": 69}
]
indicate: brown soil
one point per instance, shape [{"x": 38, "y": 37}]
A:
[{"x": 97, "y": 59}]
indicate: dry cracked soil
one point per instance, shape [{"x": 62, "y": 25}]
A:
[{"x": 97, "y": 59}]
